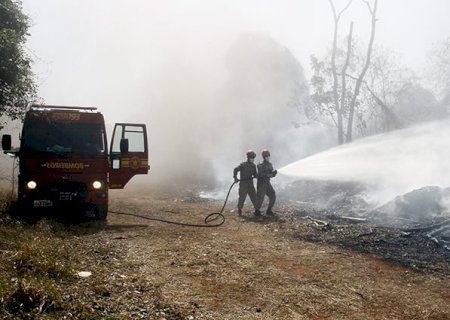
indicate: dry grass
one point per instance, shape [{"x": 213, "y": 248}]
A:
[
  {"x": 39, "y": 265},
  {"x": 34, "y": 265}
]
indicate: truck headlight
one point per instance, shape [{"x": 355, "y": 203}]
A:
[
  {"x": 97, "y": 184},
  {"x": 31, "y": 185}
]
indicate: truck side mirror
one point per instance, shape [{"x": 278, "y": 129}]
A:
[
  {"x": 124, "y": 146},
  {"x": 6, "y": 142}
]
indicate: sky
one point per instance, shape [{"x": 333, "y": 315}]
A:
[
  {"x": 71, "y": 37},
  {"x": 162, "y": 62}
]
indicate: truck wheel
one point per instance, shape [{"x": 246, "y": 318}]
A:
[
  {"x": 13, "y": 208},
  {"x": 101, "y": 212}
]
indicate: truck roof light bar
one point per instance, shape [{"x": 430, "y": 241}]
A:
[{"x": 37, "y": 106}]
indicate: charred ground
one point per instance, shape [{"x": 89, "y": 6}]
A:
[{"x": 411, "y": 230}]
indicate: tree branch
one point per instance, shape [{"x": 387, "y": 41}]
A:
[
  {"x": 333, "y": 9},
  {"x": 345, "y": 8},
  {"x": 344, "y": 68},
  {"x": 368, "y": 6},
  {"x": 387, "y": 110}
]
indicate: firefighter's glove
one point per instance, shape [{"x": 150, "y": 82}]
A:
[
  {"x": 274, "y": 172},
  {"x": 236, "y": 179}
]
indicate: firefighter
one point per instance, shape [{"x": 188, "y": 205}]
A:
[
  {"x": 247, "y": 171},
  {"x": 264, "y": 187}
]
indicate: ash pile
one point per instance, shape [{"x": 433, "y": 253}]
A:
[{"x": 412, "y": 230}]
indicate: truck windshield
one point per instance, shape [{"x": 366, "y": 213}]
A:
[{"x": 63, "y": 138}]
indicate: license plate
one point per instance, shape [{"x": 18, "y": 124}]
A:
[
  {"x": 65, "y": 196},
  {"x": 43, "y": 203}
]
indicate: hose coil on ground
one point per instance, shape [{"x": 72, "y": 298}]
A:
[{"x": 207, "y": 222}]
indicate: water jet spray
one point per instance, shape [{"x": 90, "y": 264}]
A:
[{"x": 388, "y": 164}]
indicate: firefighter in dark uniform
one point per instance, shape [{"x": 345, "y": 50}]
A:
[
  {"x": 247, "y": 171},
  {"x": 265, "y": 173}
]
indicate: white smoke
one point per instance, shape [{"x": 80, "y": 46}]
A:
[
  {"x": 203, "y": 120},
  {"x": 389, "y": 164}
]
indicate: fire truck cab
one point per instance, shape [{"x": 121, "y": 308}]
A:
[{"x": 64, "y": 163}]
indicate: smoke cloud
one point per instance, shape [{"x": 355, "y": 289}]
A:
[{"x": 206, "y": 118}]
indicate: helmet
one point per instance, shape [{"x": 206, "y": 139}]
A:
[
  {"x": 251, "y": 154},
  {"x": 265, "y": 153}
]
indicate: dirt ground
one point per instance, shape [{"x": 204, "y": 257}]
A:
[{"x": 263, "y": 268}]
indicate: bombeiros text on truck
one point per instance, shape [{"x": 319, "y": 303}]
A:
[{"x": 64, "y": 163}]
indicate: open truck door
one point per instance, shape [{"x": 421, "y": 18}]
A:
[{"x": 128, "y": 153}]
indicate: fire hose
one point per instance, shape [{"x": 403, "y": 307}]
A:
[{"x": 208, "y": 219}]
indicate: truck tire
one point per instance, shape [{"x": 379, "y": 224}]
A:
[{"x": 101, "y": 212}]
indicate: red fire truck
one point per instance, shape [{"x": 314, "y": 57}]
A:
[{"x": 64, "y": 163}]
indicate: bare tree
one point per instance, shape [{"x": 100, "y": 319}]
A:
[
  {"x": 340, "y": 103},
  {"x": 338, "y": 108},
  {"x": 368, "y": 88},
  {"x": 359, "y": 81}
]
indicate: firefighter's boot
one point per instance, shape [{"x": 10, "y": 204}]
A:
[
  {"x": 269, "y": 212},
  {"x": 257, "y": 213},
  {"x": 240, "y": 211}
]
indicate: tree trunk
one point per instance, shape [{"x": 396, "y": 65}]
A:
[
  {"x": 344, "y": 71},
  {"x": 359, "y": 82},
  {"x": 339, "y": 110},
  {"x": 335, "y": 86}
]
